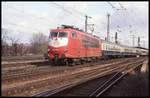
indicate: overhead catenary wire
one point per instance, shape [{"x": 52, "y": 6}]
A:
[
  {"x": 78, "y": 12},
  {"x": 72, "y": 11},
  {"x": 125, "y": 13},
  {"x": 127, "y": 16},
  {"x": 121, "y": 9}
]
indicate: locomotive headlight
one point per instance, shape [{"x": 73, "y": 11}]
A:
[{"x": 48, "y": 49}]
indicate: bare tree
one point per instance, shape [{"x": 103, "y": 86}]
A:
[
  {"x": 14, "y": 43},
  {"x": 38, "y": 43},
  {"x": 4, "y": 36},
  {"x": 15, "y": 48},
  {"x": 6, "y": 49},
  {"x": 4, "y": 42},
  {"x": 26, "y": 49}
]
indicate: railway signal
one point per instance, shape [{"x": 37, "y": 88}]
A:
[
  {"x": 116, "y": 36},
  {"x": 138, "y": 41}
]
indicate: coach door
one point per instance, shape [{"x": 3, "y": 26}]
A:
[{"x": 75, "y": 44}]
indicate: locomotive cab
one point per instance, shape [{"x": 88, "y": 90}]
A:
[{"x": 58, "y": 41}]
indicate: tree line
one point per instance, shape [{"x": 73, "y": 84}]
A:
[{"x": 11, "y": 46}]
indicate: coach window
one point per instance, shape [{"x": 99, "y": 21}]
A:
[{"x": 74, "y": 35}]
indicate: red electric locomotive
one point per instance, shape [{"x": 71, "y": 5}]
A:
[{"x": 71, "y": 45}]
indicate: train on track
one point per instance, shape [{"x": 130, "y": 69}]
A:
[{"x": 70, "y": 45}]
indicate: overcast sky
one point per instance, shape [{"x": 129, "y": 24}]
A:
[{"x": 24, "y": 18}]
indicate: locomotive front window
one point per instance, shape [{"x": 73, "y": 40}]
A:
[
  {"x": 59, "y": 34},
  {"x": 54, "y": 34},
  {"x": 63, "y": 34}
]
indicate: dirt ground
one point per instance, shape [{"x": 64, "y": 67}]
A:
[{"x": 131, "y": 85}]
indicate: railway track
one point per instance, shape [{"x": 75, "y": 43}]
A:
[
  {"x": 21, "y": 58},
  {"x": 11, "y": 65},
  {"x": 49, "y": 83},
  {"x": 92, "y": 87},
  {"x": 35, "y": 65},
  {"x": 33, "y": 73},
  {"x": 19, "y": 67}
]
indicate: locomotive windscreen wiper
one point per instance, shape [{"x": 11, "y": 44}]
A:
[{"x": 54, "y": 35}]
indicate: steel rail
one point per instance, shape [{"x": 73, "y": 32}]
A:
[
  {"x": 38, "y": 82},
  {"x": 23, "y": 62},
  {"x": 43, "y": 81},
  {"x": 33, "y": 72},
  {"x": 57, "y": 90},
  {"x": 111, "y": 81}
]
